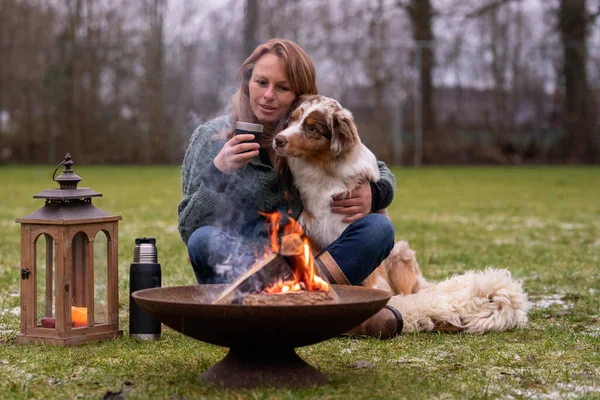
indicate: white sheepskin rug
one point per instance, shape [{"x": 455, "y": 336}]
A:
[{"x": 474, "y": 302}]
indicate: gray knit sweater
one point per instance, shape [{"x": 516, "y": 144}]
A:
[{"x": 233, "y": 202}]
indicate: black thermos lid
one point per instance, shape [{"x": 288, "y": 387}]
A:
[{"x": 145, "y": 240}]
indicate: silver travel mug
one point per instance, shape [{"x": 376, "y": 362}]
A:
[{"x": 144, "y": 273}]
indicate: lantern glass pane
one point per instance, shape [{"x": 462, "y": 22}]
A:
[
  {"x": 79, "y": 272},
  {"x": 101, "y": 278},
  {"x": 45, "y": 269}
]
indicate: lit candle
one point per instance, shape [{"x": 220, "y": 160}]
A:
[{"x": 79, "y": 316}]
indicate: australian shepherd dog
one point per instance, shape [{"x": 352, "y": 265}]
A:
[{"x": 326, "y": 157}]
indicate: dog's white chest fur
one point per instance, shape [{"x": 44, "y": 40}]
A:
[{"x": 317, "y": 186}]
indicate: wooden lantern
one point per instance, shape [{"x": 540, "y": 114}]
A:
[{"x": 69, "y": 224}]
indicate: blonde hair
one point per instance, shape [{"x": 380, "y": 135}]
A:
[{"x": 299, "y": 67}]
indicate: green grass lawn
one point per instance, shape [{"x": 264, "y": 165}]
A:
[{"x": 543, "y": 224}]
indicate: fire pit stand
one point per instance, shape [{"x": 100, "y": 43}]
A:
[
  {"x": 281, "y": 367},
  {"x": 261, "y": 338}
]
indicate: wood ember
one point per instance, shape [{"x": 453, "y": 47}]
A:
[{"x": 288, "y": 299}]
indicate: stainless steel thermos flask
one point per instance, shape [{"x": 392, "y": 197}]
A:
[{"x": 144, "y": 273}]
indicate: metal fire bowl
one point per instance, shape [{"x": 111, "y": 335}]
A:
[{"x": 261, "y": 338}]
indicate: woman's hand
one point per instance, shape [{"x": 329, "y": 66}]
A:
[
  {"x": 355, "y": 204},
  {"x": 237, "y": 152}
]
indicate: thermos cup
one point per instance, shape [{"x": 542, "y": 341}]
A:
[
  {"x": 247, "y": 127},
  {"x": 144, "y": 273}
]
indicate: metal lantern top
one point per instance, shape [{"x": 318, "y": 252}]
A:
[
  {"x": 68, "y": 181},
  {"x": 67, "y": 204}
]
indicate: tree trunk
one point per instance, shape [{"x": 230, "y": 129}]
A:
[
  {"x": 74, "y": 80},
  {"x": 578, "y": 145},
  {"x": 421, "y": 17},
  {"x": 154, "y": 76},
  {"x": 499, "y": 39},
  {"x": 376, "y": 66},
  {"x": 250, "y": 28}
]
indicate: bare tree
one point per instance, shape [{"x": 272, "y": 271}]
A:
[
  {"x": 579, "y": 144},
  {"x": 154, "y": 74},
  {"x": 112, "y": 81},
  {"x": 421, "y": 15},
  {"x": 250, "y": 27},
  {"x": 24, "y": 39},
  {"x": 376, "y": 71}
]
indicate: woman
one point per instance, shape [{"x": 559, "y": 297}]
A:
[{"x": 228, "y": 180}]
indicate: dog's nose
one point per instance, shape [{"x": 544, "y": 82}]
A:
[{"x": 280, "y": 141}]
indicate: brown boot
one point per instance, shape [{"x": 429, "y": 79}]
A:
[{"x": 387, "y": 323}]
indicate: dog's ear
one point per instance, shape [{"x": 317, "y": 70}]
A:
[
  {"x": 285, "y": 121},
  {"x": 344, "y": 133}
]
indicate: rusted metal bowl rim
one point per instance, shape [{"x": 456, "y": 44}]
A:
[{"x": 374, "y": 295}]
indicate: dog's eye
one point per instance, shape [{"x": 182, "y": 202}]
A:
[{"x": 312, "y": 129}]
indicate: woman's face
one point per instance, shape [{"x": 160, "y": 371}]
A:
[{"x": 270, "y": 93}]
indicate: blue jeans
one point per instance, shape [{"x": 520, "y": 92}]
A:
[{"x": 217, "y": 257}]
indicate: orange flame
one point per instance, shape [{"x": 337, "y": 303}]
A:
[{"x": 303, "y": 265}]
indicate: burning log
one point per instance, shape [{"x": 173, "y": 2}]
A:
[
  {"x": 264, "y": 273},
  {"x": 252, "y": 288},
  {"x": 286, "y": 276}
]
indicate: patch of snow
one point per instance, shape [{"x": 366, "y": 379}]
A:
[
  {"x": 408, "y": 361},
  {"x": 12, "y": 311},
  {"x": 549, "y": 301},
  {"x": 593, "y": 331},
  {"x": 565, "y": 391},
  {"x": 534, "y": 223},
  {"x": 571, "y": 227}
]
